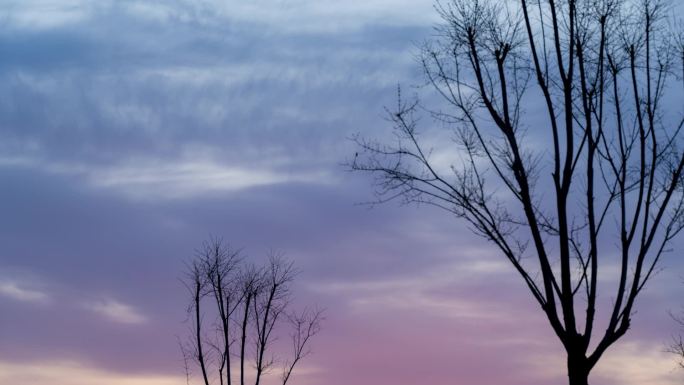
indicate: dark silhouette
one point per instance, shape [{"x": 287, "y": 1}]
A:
[
  {"x": 588, "y": 187},
  {"x": 236, "y": 310},
  {"x": 676, "y": 346}
]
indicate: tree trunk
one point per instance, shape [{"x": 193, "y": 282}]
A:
[
  {"x": 579, "y": 378},
  {"x": 578, "y": 371}
]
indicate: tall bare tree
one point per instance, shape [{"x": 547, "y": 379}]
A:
[
  {"x": 236, "y": 312},
  {"x": 567, "y": 150}
]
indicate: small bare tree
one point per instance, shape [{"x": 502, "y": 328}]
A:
[
  {"x": 236, "y": 311},
  {"x": 590, "y": 182},
  {"x": 676, "y": 347}
]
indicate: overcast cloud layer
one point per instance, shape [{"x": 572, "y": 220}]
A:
[{"x": 131, "y": 131}]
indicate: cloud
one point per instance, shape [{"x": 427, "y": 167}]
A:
[
  {"x": 100, "y": 90},
  {"x": 323, "y": 16},
  {"x": 424, "y": 292},
  {"x": 75, "y": 373},
  {"x": 17, "y": 292},
  {"x": 625, "y": 363},
  {"x": 117, "y": 311},
  {"x": 189, "y": 178},
  {"x": 45, "y": 14},
  {"x": 283, "y": 16},
  {"x": 636, "y": 363},
  {"x": 186, "y": 177}
]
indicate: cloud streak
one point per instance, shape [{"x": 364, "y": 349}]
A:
[
  {"x": 193, "y": 175},
  {"x": 19, "y": 292},
  {"x": 75, "y": 373},
  {"x": 117, "y": 311},
  {"x": 423, "y": 292}
]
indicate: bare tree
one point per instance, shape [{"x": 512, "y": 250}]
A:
[
  {"x": 236, "y": 303},
  {"x": 591, "y": 181},
  {"x": 676, "y": 347}
]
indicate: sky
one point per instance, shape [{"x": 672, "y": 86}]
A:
[{"x": 132, "y": 131}]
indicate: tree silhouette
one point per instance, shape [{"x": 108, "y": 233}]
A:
[
  {"x": 676, "y": 347},
  {"x": 588, "y": 188},
  {"x": 236, "y": 312}
]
